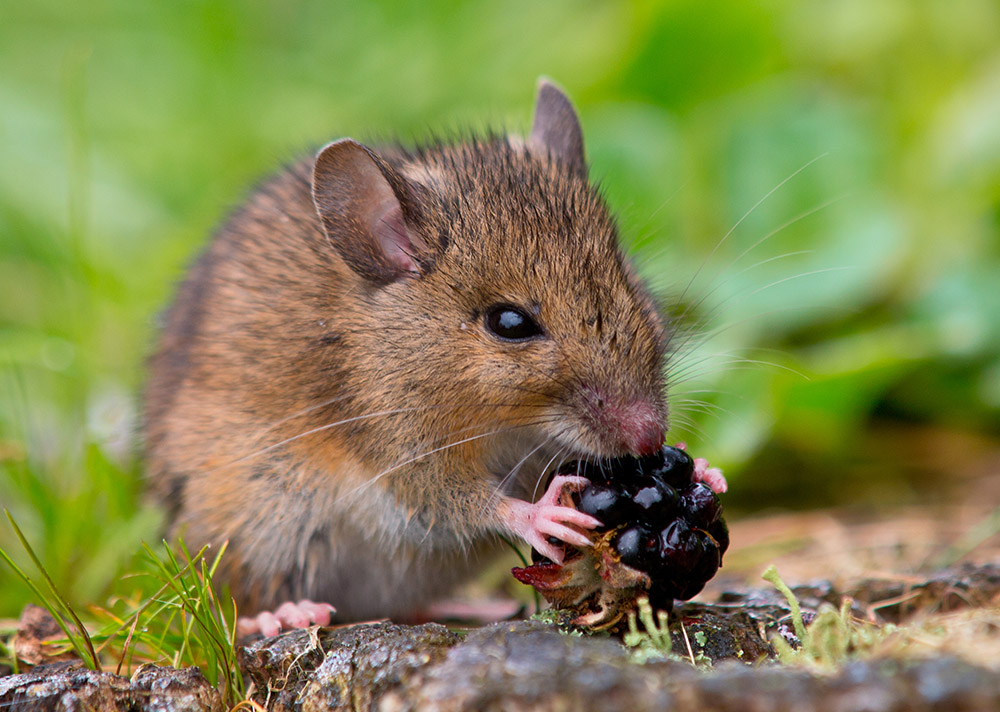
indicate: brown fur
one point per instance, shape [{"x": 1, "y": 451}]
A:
[{"x": 274, "y": 341}]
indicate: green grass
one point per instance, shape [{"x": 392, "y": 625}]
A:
[
  {"x": 171, "y": 615},
  {"x": 54, "y": 602},
  {"x": 818, "y": 183}
]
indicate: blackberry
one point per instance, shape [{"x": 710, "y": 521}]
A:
[
  {"x": 581, "y": 468},
  {"x": 680, "y": 548},
  {"x": 710, "y": 559},
  {"x": 662, "y": 594},
  {"x": 655, "y": 500},
  {"x": 608, "y": 504},
  {"x": 720, "y": 532},
  {"x": 638, "y": 547},
  {"x": 664, "y": 523},
  {"x": 625, "y": 470},
  {"x": 538, "y": 558},
  {"x": 671, "y": 465},
  {"x": 689, "y": 589},
  {"x": 700, "y": 505}
]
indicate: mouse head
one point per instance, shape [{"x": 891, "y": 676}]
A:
[{"x": 493, "y": 282}]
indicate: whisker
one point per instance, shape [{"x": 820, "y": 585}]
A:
[
  {"x": 498, "y": 490},
  {"x": 313, "y": 431},
  {"x": 687, "y": 426},
  {"x": 428, "y": 453},
  {"x": 729, "y": 358},
  {"x": 745, "y": 215},
  {"x": 801, "y": 216},
  {"x": 644, "y": 233},
  {"x": 365, "y": 485},
  {"x": 695, "y": 333},
  {"x": 366, "y": 416},
  {"x": 761, "y": 263},
  {"x": 800, "y": 276},
  {"x": 694, "y": 338},
  {"x": 701, "y": 405},
  {"x": 545, "y": 470},
  {"x": 299, "y": 414}
]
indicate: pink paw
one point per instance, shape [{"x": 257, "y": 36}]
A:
[
  {"x": 288, "y": 615},
  {"x": 711, "y": 476},
  {"x": 535, "y": 523}
]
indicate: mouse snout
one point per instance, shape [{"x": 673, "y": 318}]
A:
[
  {"x": 641, "y": 428},
  {"x": 634, "y": 427}
]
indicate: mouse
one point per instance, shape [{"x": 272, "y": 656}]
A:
[{"x": 364, "y": 379}]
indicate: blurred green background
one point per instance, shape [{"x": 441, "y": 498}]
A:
[{"x": 816, "y": 184}]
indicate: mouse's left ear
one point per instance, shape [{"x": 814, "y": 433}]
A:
[{"x": 556, "y": 128}]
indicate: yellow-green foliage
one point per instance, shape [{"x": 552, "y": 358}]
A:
[
  {"x": 831, "y": 639},
  {"x": 653, "y": 641}
]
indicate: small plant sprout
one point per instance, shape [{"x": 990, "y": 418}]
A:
[
  {"x": 654, "y": 640},
  {"x": 833, "y": 637}
]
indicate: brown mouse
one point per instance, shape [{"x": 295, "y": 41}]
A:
[{"x": 370, "y": 370}]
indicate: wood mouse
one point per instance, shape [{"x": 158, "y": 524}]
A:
[{"x": 368, "y": 373}]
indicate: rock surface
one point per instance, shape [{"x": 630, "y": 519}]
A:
[
  {"x": 347, "y": 667},
  {"x": 532, "y": 665},
  {"x": 529, "y": 665},
  {"x": 64, "y": 687},
  {"x": 529, "y": 669},
  {"x": 892, "y": 599}
]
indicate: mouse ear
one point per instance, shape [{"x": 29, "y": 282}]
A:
[
  {"x": 359, "y": 200},
  {"x": 556, "y": 128}
]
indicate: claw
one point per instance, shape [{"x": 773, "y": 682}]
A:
[
  {"x": 548, "y": 523},
  {"x": 560, "y": 484}
]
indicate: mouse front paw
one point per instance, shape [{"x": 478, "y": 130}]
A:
[
  {"x": 286, "y": 616},
  {"x": 711, "y": 476},
  {"x": 536, "y": 523}
]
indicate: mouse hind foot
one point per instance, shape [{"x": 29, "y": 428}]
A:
[{"x": 286, "y": 616}]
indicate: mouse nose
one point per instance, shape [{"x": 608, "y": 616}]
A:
[
  {"x": 634, "y": 427},
  {"x": 641, "y": 428}
]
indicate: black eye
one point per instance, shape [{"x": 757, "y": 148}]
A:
[{"x": 511, "y": 323}]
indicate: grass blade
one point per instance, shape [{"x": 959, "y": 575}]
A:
[{"x": 67, "y": 609}]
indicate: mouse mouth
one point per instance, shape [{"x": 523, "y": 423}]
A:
[
  {"x": 520, "y": 459},
  {"x": 576, "y": 440}
]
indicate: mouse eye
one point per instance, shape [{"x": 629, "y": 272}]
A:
[{"x": 511, "y": 323}]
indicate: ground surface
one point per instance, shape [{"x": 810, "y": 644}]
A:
[
  {"x": 722, "y": 659},
  {"x": 923, "y": 591}
]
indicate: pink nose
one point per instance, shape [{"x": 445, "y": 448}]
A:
[
  {"x": 641, "y": 428},
  {"x": 634, "y": 427}
]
